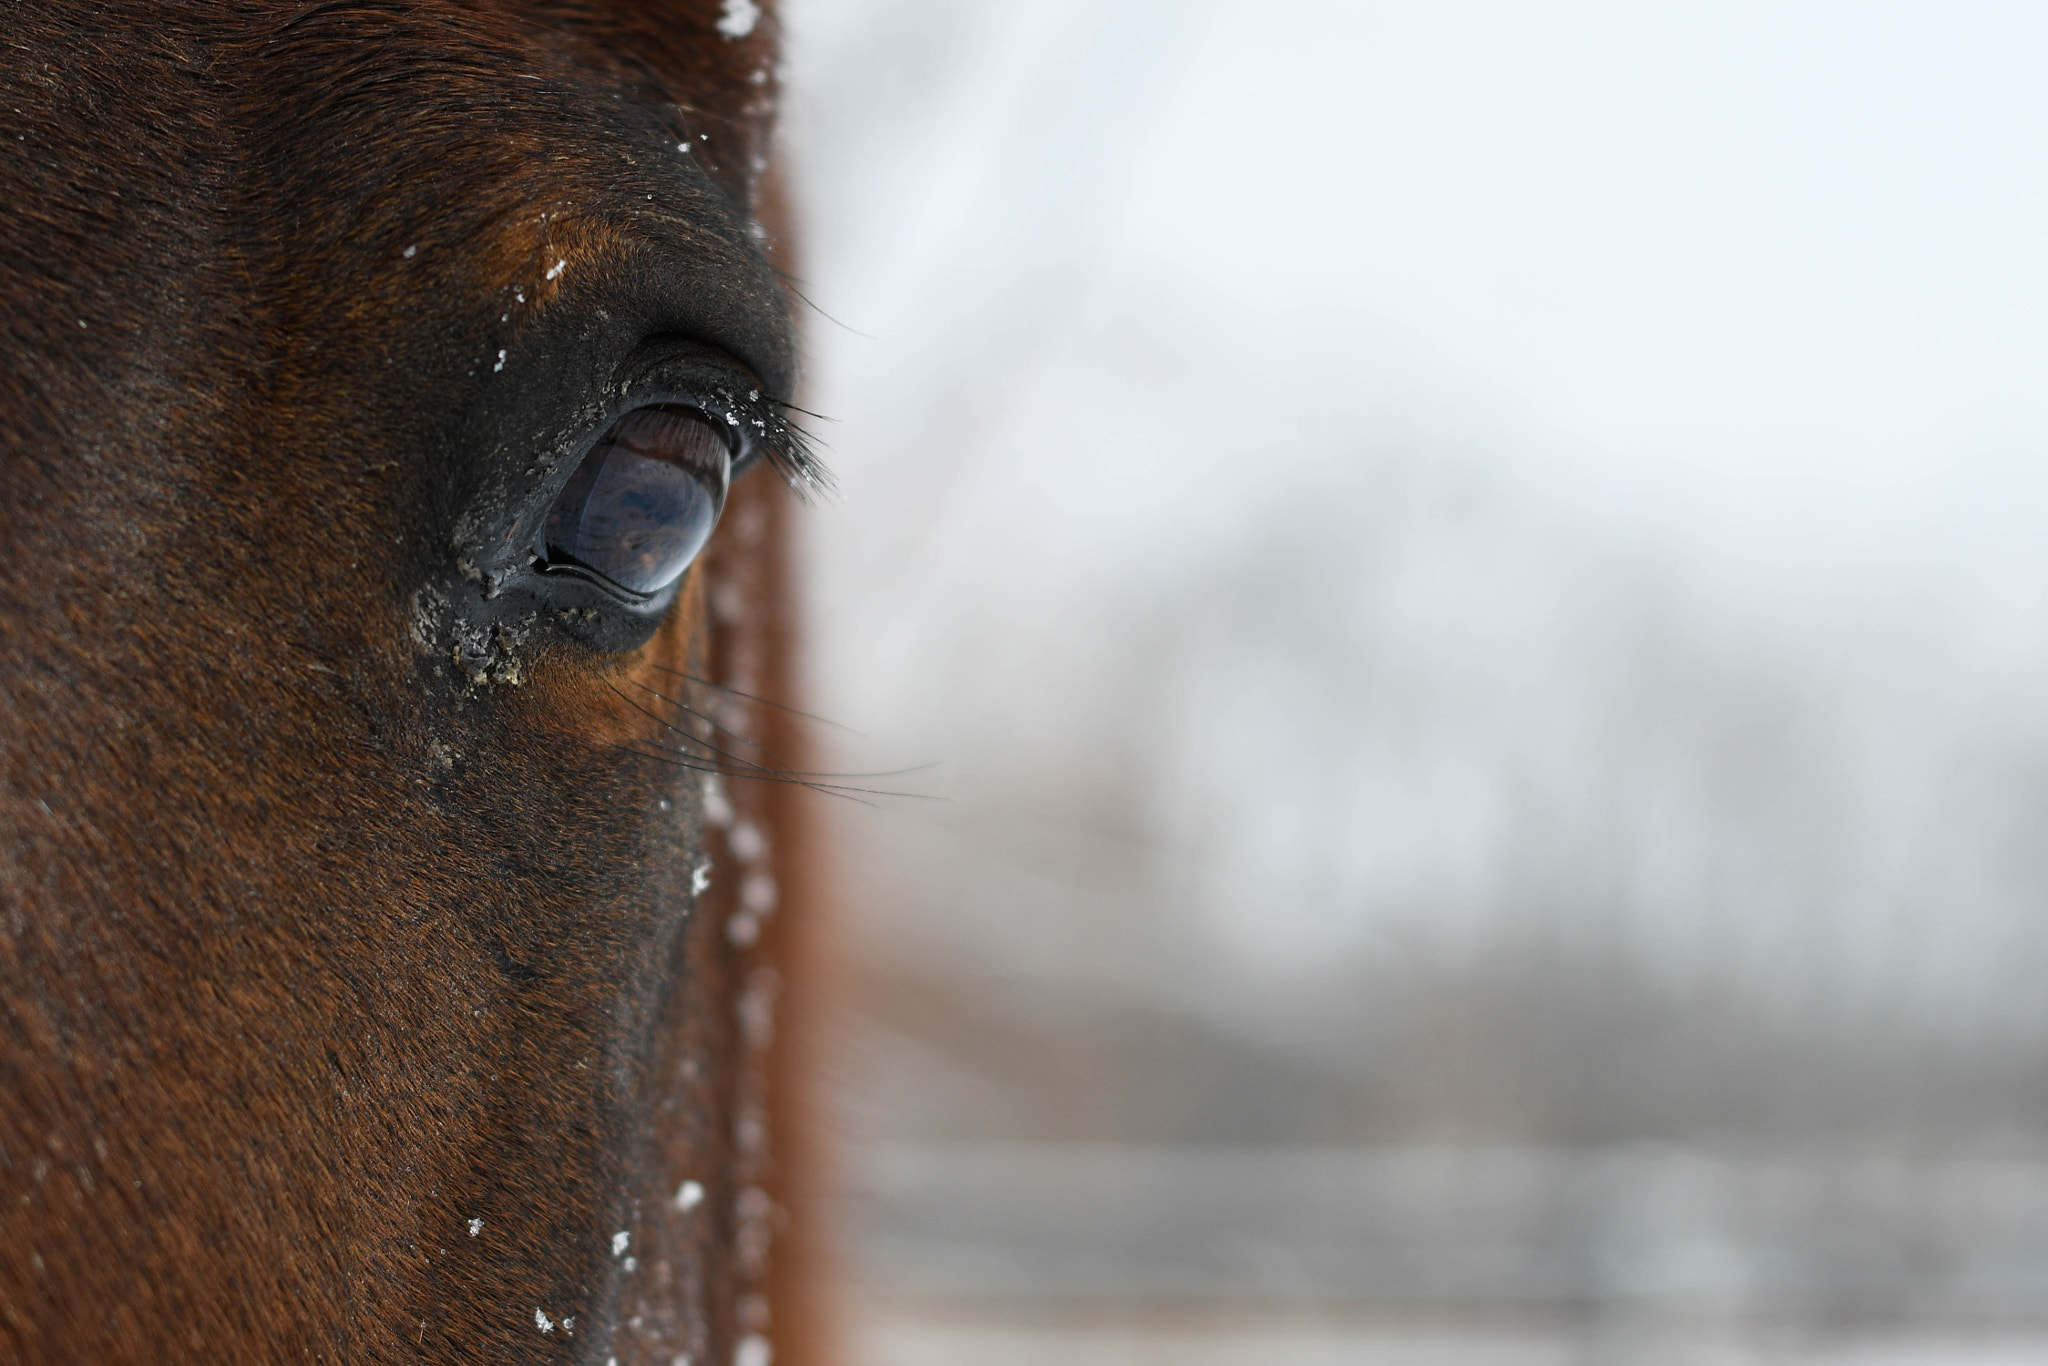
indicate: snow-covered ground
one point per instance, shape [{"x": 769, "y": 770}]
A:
[
  {"x": 892, "y": 1334},
  {"x": 1643, "y": 1234}
]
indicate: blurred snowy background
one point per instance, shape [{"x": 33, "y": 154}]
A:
[{"x": 1474, "y": 577}]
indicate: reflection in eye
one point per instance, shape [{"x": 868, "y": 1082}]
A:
[{"x": 643, "y": 502}]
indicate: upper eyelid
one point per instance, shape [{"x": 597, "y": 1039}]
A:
[
  {"x": 694, "y": 364},
  {"x": 686, "y": 260},
  {"x": 723, "y": 386},
  {"x": 700, "y": 369}
]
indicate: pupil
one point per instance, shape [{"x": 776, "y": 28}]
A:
[{"x": 643, "y": 502}]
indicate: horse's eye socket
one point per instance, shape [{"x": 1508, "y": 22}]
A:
[{"x": 643, "y": 502}]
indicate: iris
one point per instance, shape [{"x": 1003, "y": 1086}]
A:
[{"x": 643, "y": 502}]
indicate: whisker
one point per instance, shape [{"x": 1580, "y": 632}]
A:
[
  {"x": 741, "y": 766},
  {"x": 767, "y": 775},
  {"x": 674, "y": 729},
  {"x": 730, "y": 764},
  {"x": 789, "y": 282},
  {"x": 751, "y": 697},
  {"x": 789, "y": 407},
  {"x": 748, "y": 741}
]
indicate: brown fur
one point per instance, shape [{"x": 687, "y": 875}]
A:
[{"x": 317, "y": 939}]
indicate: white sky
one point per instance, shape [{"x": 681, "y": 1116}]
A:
[
  {"x": 1773, "y": 275},
  {"x": 1778, "y": 271},
  {"x": 1753, "y": 297}
]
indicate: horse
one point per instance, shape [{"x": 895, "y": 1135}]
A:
[{"x": 398, "y": 864}]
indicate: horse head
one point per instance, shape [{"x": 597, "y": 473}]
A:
[{"x": 385, "y": 946}]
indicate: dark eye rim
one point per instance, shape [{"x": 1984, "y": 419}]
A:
[
  {"x": 625, "y": 597},
  {"x": 494, "y": 581}
]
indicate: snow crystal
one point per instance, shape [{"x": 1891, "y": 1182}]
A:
[
  {"x": 501, "y": 363},
  {"x": 410, "y": 250},
  {"x": 739, "y": 18},
  {"x": 620, "y": 1241},
  {"x": 476, "y": 1226},
  {"x": 689, "y": 1195},
  {"x": 555, "y": 271},
  {"x": 543, "y": 1322},
  {"x": 717, "y": 810},
  {"x": 700, "y": 878},
  {"x": 749, "y": 841},
  {"x": 753, "y": 1350}
]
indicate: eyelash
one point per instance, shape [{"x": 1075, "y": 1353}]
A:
[{"x": 768, "y": 435}]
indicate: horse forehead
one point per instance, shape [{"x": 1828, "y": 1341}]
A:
[
  {"x": 485, "y": 122},
  {"x": 272, "y": 115},
  {"x": 284, "y": 149}
]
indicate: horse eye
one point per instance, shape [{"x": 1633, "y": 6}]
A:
[{"x": 643, "y": 502}]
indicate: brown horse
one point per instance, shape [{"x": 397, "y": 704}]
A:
[{"x": 386, "y": 971}]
